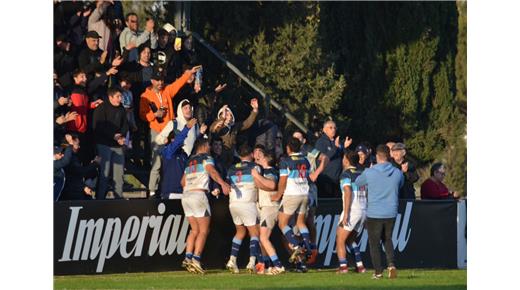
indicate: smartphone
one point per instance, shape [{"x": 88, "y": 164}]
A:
[{"x": 178, "y": 43}]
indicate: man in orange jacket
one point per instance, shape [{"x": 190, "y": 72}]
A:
[{"x": 156, "y": 108}]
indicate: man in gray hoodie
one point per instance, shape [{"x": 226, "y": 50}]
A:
[{"x": 383, "y": 181}]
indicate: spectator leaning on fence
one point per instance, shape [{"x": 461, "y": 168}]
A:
[{"x": 434, "y": 188}]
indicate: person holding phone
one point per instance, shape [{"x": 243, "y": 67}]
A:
[{"x": 156, "y": 108}]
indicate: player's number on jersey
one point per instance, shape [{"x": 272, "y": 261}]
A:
[
  {"x": 302, "y": 170},
  {"x": 193, "y": 166}
]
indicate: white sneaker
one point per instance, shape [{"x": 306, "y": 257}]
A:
[
  {"x": 251, "y": 269},
  {"x": 232, "y": 266},
  {"x": 276, "y": 270},
  {"x": 196, "y": 267}
]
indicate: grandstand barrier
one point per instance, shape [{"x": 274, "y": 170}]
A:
[{"x": 118, "y": 236}]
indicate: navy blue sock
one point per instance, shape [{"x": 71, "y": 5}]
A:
[
  {"x": 354, "y": 248},
  {"x": 306, "y": 238},
  {"x": 254, "y": 247},
  {"x": 342, "y": 262},
  {"x": 287, "y": 231},
  {"x": 196, "y": 258},
  {"x": 267, "y": 261},
  {"x": 276, "y": 261},
  {"x": 235, "y": 247},
  {"x": 189, "y": 255}
]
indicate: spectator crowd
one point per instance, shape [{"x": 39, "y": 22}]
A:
[{"x": 120, "y": 93}]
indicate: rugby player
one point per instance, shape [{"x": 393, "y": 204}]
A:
[
  {"x": 245, "y": 179},
  {"x": 195, "y": 183},
  {"x": 294, "y": 187},
  {"x": 268, "y": 217},
  {"x": 314, "y": 157},
  {"x": 353, "y": 216}
]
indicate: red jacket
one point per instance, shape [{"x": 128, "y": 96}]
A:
[
  {"x": 81, "y": 105},
  {"x": 431, "y": 189}
]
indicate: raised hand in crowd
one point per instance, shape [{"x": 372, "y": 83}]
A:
[
  {"x": 103, "y": 57},
  {"x": 254, "y": 104},
  {"x": 313, "y": 176},
  {"x": 73, "y": 141},
  {"x": 194, "y": 69},
  {"x": 97, "y": 102},
  {"x": 220, "y": 88},
  {"x": 62, "y": 101},
  {"x": 112, "y": 71},
  {"x": 348, "y": 142},
  {"x": 191, "y": 123},
  {"x": 203, "y": 128},
  {"x": 117, "y": 61},
  {"x": 69, "y": 116},
  {"x": 336, "y": 142}
]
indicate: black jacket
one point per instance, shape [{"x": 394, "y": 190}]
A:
[
  {"x": 407, "y": 191},
  {"x": 76, "y": 174},
  {"x": 88, "y": 60},
  {"x": 108, "y": 121}
]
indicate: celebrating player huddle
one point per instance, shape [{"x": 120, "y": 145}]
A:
[{"x": 261, "y": 197}]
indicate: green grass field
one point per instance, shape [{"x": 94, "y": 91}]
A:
[{"x": 314, "y": 279}]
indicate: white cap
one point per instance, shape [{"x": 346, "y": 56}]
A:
[{"x": 168, "y": 27}]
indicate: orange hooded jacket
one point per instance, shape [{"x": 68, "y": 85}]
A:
[{"x": 167, "y": 93}]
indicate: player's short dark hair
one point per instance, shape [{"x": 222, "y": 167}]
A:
[
  {"x": 260, "y": 147},
  {"x": 383, "y": 151},
  {"x": 200, "y": 142},
  {"x": 294, "y": 144},
  {"x": 113, "y": 90},
  {"x": 77, "y": 72},
  {"x": 269, "y": 157},
  {"x": 435, "y": 167},
  {"x": 351, "y": 156},
  {"x": 244, "y": 150}
]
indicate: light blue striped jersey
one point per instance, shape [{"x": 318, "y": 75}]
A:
[
  {"x": 196, "y": 175},
  {"x": 243, "y": 188},
  {"x": 297, "y": 168},
  {"x": 358, "y": 202}
]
